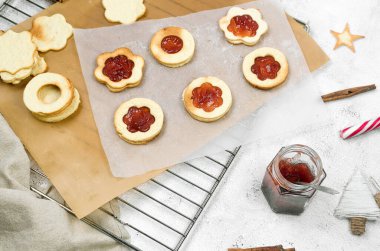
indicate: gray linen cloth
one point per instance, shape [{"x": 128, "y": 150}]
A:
[{"x": 28, "y": 222}]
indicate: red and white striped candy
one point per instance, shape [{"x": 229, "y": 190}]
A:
[{"x": 367, "y": 126}]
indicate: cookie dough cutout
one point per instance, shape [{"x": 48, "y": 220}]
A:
[
  {"x": 51, "y": 33},
  {"x": 48, "y": 94},
  {"x": 172, "y": 46},
  {"x": 243, "y": 26},
  {"x": 138, "y": 121},
  {"x": 265, "y": 68},
  {"x": 123, "y": 11},
  {"x": 16, "y": 51},
  {"x": 119, "y": 69},
  {"x": 207, "y": 99}
]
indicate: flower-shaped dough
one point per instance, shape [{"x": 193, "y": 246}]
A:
[
  {"x": 123, "y": 11},
  {"x": 243, "y": 26},
  {"x": 16, "y": 51},
  {"x": 51, "y": 33},
  {"x": 119, "y": 69}
]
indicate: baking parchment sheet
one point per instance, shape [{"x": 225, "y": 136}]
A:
[{"x": 182, "y": 137}]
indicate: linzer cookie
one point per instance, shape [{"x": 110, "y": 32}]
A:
[
  {"x": 51, "y": 33},
  {"x": 243, "y": 26},
  {"x": 172, "y": 46},
  {"x": 138, "y": 120},
  {"x": 125, "y": 12},
  {"x": 207, "y": 99},
  {"x": 17, "y": 51},
  {"x": 119, "y": 69},
  {"x": 51, "y": 97},
  {"x": 265, "y": 68}
]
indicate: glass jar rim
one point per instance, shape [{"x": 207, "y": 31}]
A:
[{"x": 303, "y": 149}]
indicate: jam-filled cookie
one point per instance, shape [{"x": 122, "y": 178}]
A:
[
  {"x": 138, "y": 120},
  {"x": 172, "y": 46},
  {"x": 207, "y": 99},
  {"x": 119, "y": 69},
  {"x": 265, "y": 68},
  {"x": 243, "y": 26},
  {"x": 51, "y": 97}
]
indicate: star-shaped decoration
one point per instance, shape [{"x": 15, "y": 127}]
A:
[{"x": 345, "y": 38}]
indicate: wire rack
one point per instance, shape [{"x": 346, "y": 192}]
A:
[{"x": 160, "y": 213}]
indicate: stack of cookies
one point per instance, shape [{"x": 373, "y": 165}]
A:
[
  {"x": 51, "y": 97},
  {"x": 19, "y": 57}
]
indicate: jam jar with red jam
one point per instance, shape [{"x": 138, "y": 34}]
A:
[{"x": 281, "y": 186}]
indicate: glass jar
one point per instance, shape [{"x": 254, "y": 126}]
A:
[{"x": 298, "y": 163}]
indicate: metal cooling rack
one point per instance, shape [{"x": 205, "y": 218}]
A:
[{"x": 160, "y": 214}]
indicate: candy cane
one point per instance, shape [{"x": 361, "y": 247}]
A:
[{"x": 353, "y": 131}]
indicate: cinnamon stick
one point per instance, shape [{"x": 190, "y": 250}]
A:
[
  {"x": 271, "y": 248},
  {"x": 346, "y": 93}
]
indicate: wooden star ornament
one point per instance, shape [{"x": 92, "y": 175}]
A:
[{"x": 345, "y": 38}]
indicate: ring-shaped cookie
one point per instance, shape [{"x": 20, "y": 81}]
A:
[
  {"x": 72, "y": 108},
  {"x": 183, "y": 56},
  {"x": 32, "y": 90},
  {"x": 138, "y": 137},
  {"x": 268, "y": 83},
  {"x": 199, "y": 113}
]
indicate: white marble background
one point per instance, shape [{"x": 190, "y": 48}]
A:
[{"x": 238, "y": 215}]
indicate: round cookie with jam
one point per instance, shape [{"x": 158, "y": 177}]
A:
[
  {"x": 207, "y": 99},
  {"x": 243, "y": 26},
  {"x": 138, "y": 120},
  {"x": 119, "y": 69},
  {"x": 265, "y": 68},
  {"x": 172, "y": 46}
]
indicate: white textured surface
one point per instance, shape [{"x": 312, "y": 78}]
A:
[{"x": 239, "y": 216}]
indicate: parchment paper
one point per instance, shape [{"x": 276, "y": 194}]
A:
[{"x": 181, "y": 136}]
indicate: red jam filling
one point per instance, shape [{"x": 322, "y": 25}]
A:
[
  {"x": 171, "y": 44},
  {"x": 265, "y": 67},
  {"x": 207, "y": 97},
  {"x": 138, "y": 119},
  {"x": 243, "y": 26},
  {"x": 294, "y": 173},
  {"x": 118, "y": 68}
]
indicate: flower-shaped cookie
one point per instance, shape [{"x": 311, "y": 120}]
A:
[
  {"x": 51, "y": 33},
  {"x": 265, "y": 68},
  {"x": 39, "y": 66},
  {"x": 119, "y": 69},
  {"x": 123, "y": 11},
  {"x": 17, "y": 51},
  {"x": 243, "y": 26},
  {"x": 138, "y": 120}
]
